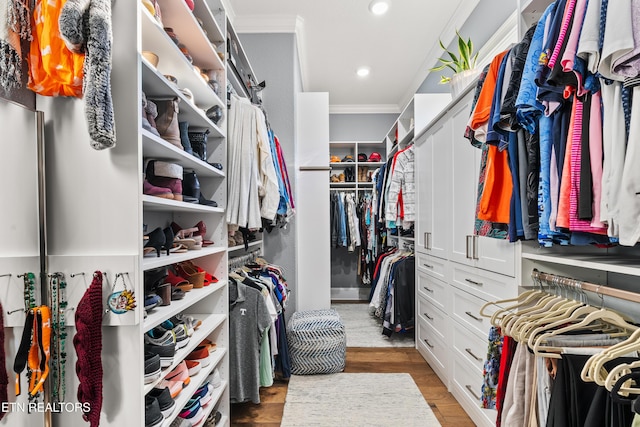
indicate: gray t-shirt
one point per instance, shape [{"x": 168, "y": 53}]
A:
[{"x": 248, "y": 319}]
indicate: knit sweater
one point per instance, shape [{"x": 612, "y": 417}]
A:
[{"x": 403, "y": 181}]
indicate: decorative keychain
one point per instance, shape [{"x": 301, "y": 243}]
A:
[{"x": 120, "y": 302}]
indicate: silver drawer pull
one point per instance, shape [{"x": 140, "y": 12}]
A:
[
  {"x": 428, "y": 266},
  {"x": 474, "y": 282},
  {"x": 468, "y": 313},
  {"x": 427, "y": 289},
  {"x": 468, "y": 387},
  {"x": 428, "y": 343},
  {"x": 427, "y": 316},
  {"x": 468, "y": 350}
]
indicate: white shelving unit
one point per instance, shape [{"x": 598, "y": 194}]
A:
[{"x": 352, "y": 148}]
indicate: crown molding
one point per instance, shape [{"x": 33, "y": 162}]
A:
[{"x": 364, "y": 109}]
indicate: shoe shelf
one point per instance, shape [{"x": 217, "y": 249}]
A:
[
  {"x": 173, "y": 62},
  {"x": 365, "y": 184},
  {"x": 209, "y": 23},
  {"x": 209, "y": 324},
  {"x": 155, "y": 147},
  {"x": 158, "y": 204},
  {"x": 162, "y": 313},
  {"x": 156, "y": 85},
  {"x": 342, "y": 184},
  {"x": 372, "y": 164},
  {"x": 149, "y": 263},
  {"x": 241, "y": 247},
  {"x": 215, "y": 397},
  {"x": 176, "y": 15}
]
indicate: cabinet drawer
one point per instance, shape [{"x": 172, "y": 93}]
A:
[
  {"x": 466, "y": 310},
  {"x": 469, "y": 346},
  {"x": 434, "y": 350},
  {"x": 434, "y": 290},
  {"x": 466, "y": 386},
  {"x": 433, "y": 266},
  {"x": 434, "y": 317},
  {"x": 484, "y": 284}
]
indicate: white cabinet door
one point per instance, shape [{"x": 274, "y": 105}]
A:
[
  {"x": 496, "y": 255},
  {"x": 440, "y": 204},
  {"x": 464, "y": 183},
  {"x": 424, "y": 219}
]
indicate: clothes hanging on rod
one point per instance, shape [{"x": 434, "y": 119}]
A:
[
  {"x": 554, "y": 118},
  {"x": 548, "y": 369},
  {"x": 258, "y": 350},
  {"x": 392, "y": 296}
]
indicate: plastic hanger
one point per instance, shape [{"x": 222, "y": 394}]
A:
[
  {"x": 524, "y": 299},
  {"x": 617, "y": 373},
  {"x": 594, "y": 366},
  {"x": 602, "y": 314},
  {"x": 545, "y": 304}
]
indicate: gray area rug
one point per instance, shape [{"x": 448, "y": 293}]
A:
[
  {"x": 365, "y": 330},
  {"x": 352, "y": 400}
]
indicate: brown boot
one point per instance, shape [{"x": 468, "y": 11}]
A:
[
  {"x": 341, "y": 177},
  {"x": 167, "y": 121}
]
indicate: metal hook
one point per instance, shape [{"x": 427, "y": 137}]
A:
[
  {"x": 23, "y": 275},
  {"x": 77, "y": 274},
  {"x": 5, "y": 275},
  {"x": 16, "y": 310}
]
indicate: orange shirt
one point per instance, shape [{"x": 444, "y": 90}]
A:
[
  {"x": 483, "y": 107},
  {"x": 495, "y": 203}
]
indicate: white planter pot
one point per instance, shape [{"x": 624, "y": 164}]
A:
[{"x": 461, "y": 80}]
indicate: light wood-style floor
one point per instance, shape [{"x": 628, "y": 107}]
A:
[{"x": 384, "y": 360}]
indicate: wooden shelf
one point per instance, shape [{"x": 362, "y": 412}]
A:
[
  {"x": 149, "y": 263},
  {"x": 629, "y": 265},
  {"x": 158, "y": 204},
  {"x": 155, "y": 85},
  {"x": 155, "y": 147},
  {"x": 173, "y": 62},
  {"x": 162, "y": 313}
]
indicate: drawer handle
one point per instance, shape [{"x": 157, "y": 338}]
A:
[
  {"x": 428, "y": 266},
  {"x": 468, "y": 387},
  {"x": 468, "y": 350},
  {"x": 427, "y": 316},
  {"x": 427, "y": 289},
  {"x": 474, "y": 282},
  {"x": 468, "y": 313},
  {"x": 428, "y": 343}
]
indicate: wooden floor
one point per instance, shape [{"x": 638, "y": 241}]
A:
[{"x": 384, "y": 360}]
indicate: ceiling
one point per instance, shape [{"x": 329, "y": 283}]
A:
[{"x": 336, "y": 37}]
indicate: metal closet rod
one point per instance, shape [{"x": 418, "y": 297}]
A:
[
  {"x": 243, "y": 259},
  {"x": 554, "y": 279}
]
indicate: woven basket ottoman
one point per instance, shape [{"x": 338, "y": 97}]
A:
[{"x": 317, "y": 342}]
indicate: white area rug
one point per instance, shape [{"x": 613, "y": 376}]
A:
[
  {"x": 365, "y": 330},
  {"x": 353, "y": 400}
]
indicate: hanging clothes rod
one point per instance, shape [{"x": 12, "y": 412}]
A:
[
  {"x": 553, "y": 279},
  {"x": 241, "y": 260}
]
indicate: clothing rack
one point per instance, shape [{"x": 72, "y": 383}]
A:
[
  {"x": 241, "y": 260},
  {"x": 600, "y": 290}
]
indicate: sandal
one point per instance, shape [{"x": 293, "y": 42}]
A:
[
  {"x": 188, "y": 272},
  {"x": 179, "y": 282},
  {"x": 208, "y": 278}
]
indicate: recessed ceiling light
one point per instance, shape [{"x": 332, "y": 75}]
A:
[
  {"x": 379, "y": 7},
  {"x": 363, "y": 71}
]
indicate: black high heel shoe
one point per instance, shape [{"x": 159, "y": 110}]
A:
[
  {"x": 156, "y": 240},
  {"x": 168, "y": 239}
]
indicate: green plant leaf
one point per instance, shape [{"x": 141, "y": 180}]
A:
[{"x": 444, "y": 80}]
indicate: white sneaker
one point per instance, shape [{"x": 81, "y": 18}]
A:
[{"x": 214, "y": 379}]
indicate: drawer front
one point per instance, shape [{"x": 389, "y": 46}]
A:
[
  {"x": 433, "y": 266},
  {"x": 434, "y": 290},
  {"x": 484, "y": 284},
  {"x": 434, "y": 350},
  {"x": 470, "y": 346},
  {"x": 466, "y": 386},
  {"x": 466, "y": 310},
  {"x": 432, "y": 316}
]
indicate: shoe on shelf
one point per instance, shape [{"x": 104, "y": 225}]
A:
[
  {"x": 200, "y": 355},
  {"x": 179, "y": 373},
  {"x": 206, "y": 202},
  {"x": 181, "y": 422},
  {"x": 179, "y": 332},
  {"x": 178, "y": 282},
  {"x": 165, "y": 401},
  {"x": 152, "y": 190},
  {"x": 177, "y": 293},
  {"x": 151, "y": 301},
  {"x": 210, "y": 345},
  {"x": 193, "y": 367},
  {"x": 156, "y": 240},
  {"x": 152, "y": 367},
  {"x": 208, "y": 277},
  {"x": 184, "y": 136},
  {"x": 216, "y": 165},
  {"x": 195, "y": 277},
  {"x": 168, "y": 239},
  {"x": 149, "y": 114},
  {"x": 202, "y": 231},
  {"x": 341, "y": 177},
  {"x": 191, "y": 323},
  {"x": 160, "y": 337},
  {"x": 213, "y": 419},
  {"x": 193, "y": 412},
  {"x": 152, "y": 415},
  {"x": 175, "y": 387},
  {"x": 204, "y": 393},
  {"x": 190, "y": 187},
  {"x": 165, "y": 175},
  {"x": 166, "y": 352},
  {"x": 167, "y": 121},
  {"x": 215, "y": 379}
]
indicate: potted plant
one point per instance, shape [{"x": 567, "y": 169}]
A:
[{"x": 463, "y": 65}]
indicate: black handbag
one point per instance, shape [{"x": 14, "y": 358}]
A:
[{"x": 199, "y": 143}]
